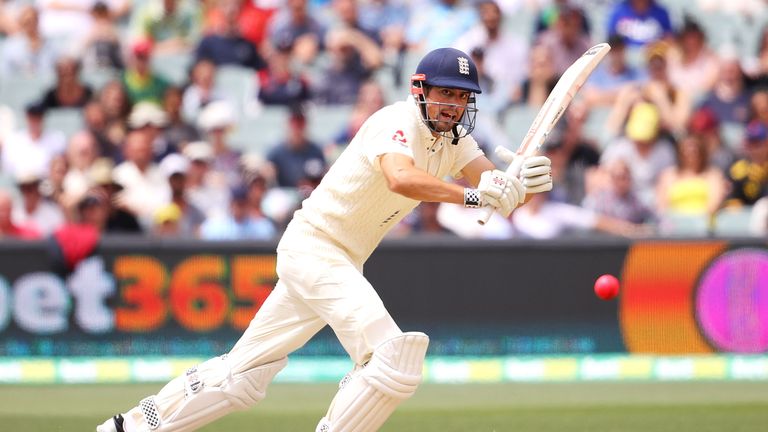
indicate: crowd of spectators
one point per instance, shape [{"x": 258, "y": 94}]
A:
[{"x": 155, "y": 157}]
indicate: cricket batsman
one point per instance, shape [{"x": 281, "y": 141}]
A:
[{"x": 399, "y": 158}]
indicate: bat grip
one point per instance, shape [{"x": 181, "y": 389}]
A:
[{"x": 513, "y": 170}]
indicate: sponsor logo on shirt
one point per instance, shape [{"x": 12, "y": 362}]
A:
[{"x": 399, "y": 137}]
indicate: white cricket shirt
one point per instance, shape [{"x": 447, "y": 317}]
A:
[{"x": 352, "y": 208}]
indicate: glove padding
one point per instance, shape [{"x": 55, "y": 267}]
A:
[
  {"x": 500, "y": 191},
  {"x": 536, "y": 173}
]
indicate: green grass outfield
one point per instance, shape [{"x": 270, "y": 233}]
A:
[{"x": 715, "y": 406}]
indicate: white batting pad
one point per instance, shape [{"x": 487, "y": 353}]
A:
[
  {"x": 367, "y": 399},
  {"x": 204, "y": 397}
]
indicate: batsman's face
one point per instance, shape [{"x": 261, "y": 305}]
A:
[{"x": 445, "y": 106}]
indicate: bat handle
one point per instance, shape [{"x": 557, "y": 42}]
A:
[{"x": 513, "y": 171}]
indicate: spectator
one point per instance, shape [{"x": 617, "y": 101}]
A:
[
  {"x": 69, "y": 91},
  {"x": 352, "y": 59},
  {"x": 566, "y": 40},
  {"x": 95, "y": 120},
  {"x": 68, "y": 21},
  {"x": 674, "y": 104},
  {"x": 294, "y": 26},
  {"x": 8, "y": 17},
  {"x": 27, "y": 52},
  {"x": 541, "y": 79},
  {"x": 140, "y": 82},
  {"x": 238, "y": 224},
  {"x": 52, "y": 186},
  {"x": 226, "y": 46},
  {"x": 387, "y": 19},
  {"x": 297, "y": 158},
  {"x": 758, "y": 219},
  {"x": 640, "y": 22},
  {"x": 100, "y": 49},
  {"x": 613, "y": 73},
  {"x": 33, "y": 148},
  {"x": 462, "y": 222},
  {"x": 448, "y": 19},
  {"x": 617, "y": 198},
  {"x": 693, "y": 66},
  {"x": 216, "y": 122},
  {"x": 206, "y": 190},
  {"x": 345, "y": 14},
  {"x": 504, "y": 53},
  {"x": 729, "y": 98},
  {"x": 201, "y": 89},
  {"x": 427, "y": 222},
  {"x": 549, "y": 12},
  {"x": 257, "y": 190},
  {"x": 281, "y": 83},
  {"x": 151, "y": 119},
  {"x": 757, "y": 66},
  {"x": 114, "y": 101},
  {"x": 370, "y": 99},
  {"x": 705, "y": 124},
  {"x": 172, "y": 25},
  {"x": 748, "y": 176},
  {"x": 758, "y": 106},
  {"x": 65, "y": 21},
  {"x": 175, "y": 166},
  {"x": 145, "y": 186},
  {"x": 693, "y": 186},
  {"x": 167, "y": 221},
  {"x": 572, "y": 155},
  {"x": 120, "y": 219},
  {"x": 82, "y": 153},
  {"x": 93, "y": 210},
  {"x": 541, "y": 218},
  {"x": 34, "y": 210},
  {"x": 643, "y": 149},
  {"x": 179, "y": 131},
  {"x": 253, "y": 19},
  {"x": 10, "y": 229}
]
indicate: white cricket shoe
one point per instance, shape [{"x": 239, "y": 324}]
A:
[{"x": 115, "y": 424}]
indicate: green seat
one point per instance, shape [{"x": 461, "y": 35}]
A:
[
  {"x": 733, "y": 222},
  {"x": 517, "y": 120},
  {"x": 239, "y": 85},
  {"x": 173, "y": 67},
  {"x": 683, "y": 225},
  {"x": 261, "y": 131},
  {"x": 67, "y": 120}
]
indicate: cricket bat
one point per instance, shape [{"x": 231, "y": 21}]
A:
[{"x": 554, "y": 107}]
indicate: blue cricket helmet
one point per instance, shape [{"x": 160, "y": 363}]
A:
[{"x": 449, "y": 67}]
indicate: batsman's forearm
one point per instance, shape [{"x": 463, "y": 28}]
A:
[{"x": 421, "y": 186}]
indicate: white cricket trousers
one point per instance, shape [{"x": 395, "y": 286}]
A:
[{"x": 313, "y": 291}]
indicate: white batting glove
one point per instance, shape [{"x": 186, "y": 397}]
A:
[
  {"x": 498, "y": 190},
  {"x": 536, "y": 173}
]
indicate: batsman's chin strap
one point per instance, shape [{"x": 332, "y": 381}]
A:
[{"x": 455, "y": 131}]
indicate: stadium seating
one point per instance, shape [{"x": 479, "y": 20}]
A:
[
  {"x": 18, "y": 91},
  {"x": 684, "y": 225},
  {"x": 732, "y": 222},
  {"x": 260, "y": 131},
  {"x": 66, "y": 120},
  {"x": 239, "y": 85},
  {"x": 173, "y": 67}
]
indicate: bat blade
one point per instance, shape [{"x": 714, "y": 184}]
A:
[{"x": 553, "y": 108}]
